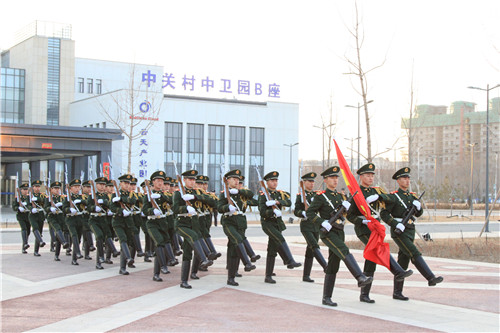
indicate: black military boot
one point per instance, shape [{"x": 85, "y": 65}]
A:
[
  {"x": 37, "y": 247},
  {"x": 70, "y": 243},
  {"x": 185, "y": 274},
  {"x": 171, "y": 260},
  {"x": 287, "y": 256},
  {"x": 198, "y": 250},
  {"x": 62, "y": 239},
  {"x": 24, "y": 235},
  {"x": 76, "y": 247},
  {"x": 269, "y": 269},
  {"x": 38, "y": 237},
  {"x": 237, "y": 268},
  {"x": 162, "y": 259},
  {"x": 242, "y": 253},
  {"x": 126, "y": 253},
  {"x": 177, "y": 247},
  {"x": 108, "y": 260},
  {"x": 320, "y": 259},
  {"x": 156, "y": 270},
  {"x": 253, "y": 257},
  {"x": 86, "y": 248},
  {"x": 365, "y": 291},
  {"x": 138, "y": 246},
  {"x": 132, "y": 254},
  {"x": 308, "y": 262},
  {"x": 426, "y": 272},
  {"x": 212, "y": 249},
  {"x": 231, "y": 271},
  {"x": 99, "y": 254},
  {"x": 328, "y": 289},
  {"x": 74, "y": 257},
  {"x": 399, "y": 273},
  {"x": 52, "y": 240},
  {"x": 353, "y": 267},
  {"x": 90, "y": 242},
  {"x": 211, "y": 256},
  {"x": 123, "y": 261},
  {"x": 398, "y": 290},
  {"x": 57, "y": 250},
  {"x": 147, "y": 246},
  {"x": 194, "y": 268},
  {"x": 111, "y": 244}
]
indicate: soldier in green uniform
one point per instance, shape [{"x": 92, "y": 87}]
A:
[
  {"x": 230, "y": 208},
  {"x": 273, "y": 225},
  {"x": 55, "y": 217},
  {"x": 137, "y": 219},
  {"x": 148, "y": 248},
  {"x": 208, "y": 207},
  {"x": 20, "y": 206},
  {"x": 88, "y": 242},
  {"x": 36, "y": 215},
  {"x": 404, "y": 235},
  {"x": 309, "y": 230},
  {"x": 327, "y": 203},
  {"x": 73, "y": 208},
  {"x": 185, "y": 206},
  {"x": 110, "y": 232},
  {"x": 377, "y": 199},
  {"x": 175, "y": 238}
]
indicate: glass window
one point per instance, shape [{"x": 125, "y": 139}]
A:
[
  {"x": 90, "y": 86},
  {"x": 173, "y": 147},
  {"x": 98, "y": 86},
  {"x": 53, "y": 74},
  {"x": 236, "y": 148},
  {"x": 195, "y": 146},
  {"x": 81, "y": 85},
  {"x": 215, "y": 156},
  {"x": 256, "y": 157},
  {"x": 12, "y": 95}
]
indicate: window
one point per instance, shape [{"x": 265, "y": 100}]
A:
[
  {"x": 195, "y": 147},
  {"x": 90, "y": 86},
  {"x": 81, "y": 85},
  {"x": 173, "y": 147},
  {"x": 103, "y": 124},
  {"x": 215, "y": 156},
  {"x": 54, "y": 52},
  {"x": 12, "y": 95},
  {"x": 256, "y": 156},
  {"x": 98, "y": 86},
  {"x": 236, "y": 148}
]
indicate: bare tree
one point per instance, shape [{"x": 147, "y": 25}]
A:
[
  {"x": 329, "y": 130},
  {"x": 407, "y": 123},
  {"x": 128, "y": 111}
]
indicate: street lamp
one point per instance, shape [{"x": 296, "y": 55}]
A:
[
  {"x": 358, "y": 107},
  {"x": 352, "y": 140},
  {"x": 324, "y": 127},
  {"x": 487, "y": 199},
  {"x": 471, "y": 177},
  {"x": 291, "y": 145}
]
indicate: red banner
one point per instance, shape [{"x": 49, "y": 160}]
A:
[
  {"x": 376, "y": 250},
  {"x": 105, "y": 169}
]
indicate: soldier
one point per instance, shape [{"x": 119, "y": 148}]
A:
[
  {"x": 404, "y": 235},
  {"x": 376, "y": 198},
  {"x": 137, "y": 220},
  {"x": 230, "y": 208},
  {"x": 148, "y": 247},
  {"x": 20, "y": 206},
  {"x": 55, "y": 217},
  {"x": 36, "y": 215},
  {"x": 110, "y": 232},
  {"x": 73, "y": 208},
  {"x": 326, "y": 204},
  {"x": 88, "y": 242},
  {"x": 183, "y": 207},
  {"x": 208, "y": 209},
  {"x": 170, "y": 224},
  {"x": 174, "y": 237},
  {"x": 273, "y": 225},
  {"x": 123, "y": 223},
  {"x": 309, "y": 230}
]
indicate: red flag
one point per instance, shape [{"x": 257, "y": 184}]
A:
[{"x": 376, "y": 250}]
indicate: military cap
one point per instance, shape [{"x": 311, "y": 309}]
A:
[
  {"x": 200, "y": 179},
  {"x": 206, "y": 179},
  {"x": 36, "y": 183},
  {"x": 143, "y": 184},
  {"x": 165, "y": 181},
  {"x": 242, "y": 178},
  {"x": 25, "y": 186},
  {"x": 367, "y": 168},
  {"x": 309, "y": 176},
  {"x": 169, "y": 180},
  {"x": 101, "y": 180},
  {"x": 236, "y": 173},
  {"x": 272, "y": 175},
  {"x": 404, "y": 172},
  {"x": 190, "y": 174},
  {"x": 55, "y": 184},
  {"x": 125, "y": 178},
  {"x": 110, "y": 183},
  {"x": 331, "y": 171},
  {"x": 133, "y": 181},
  {"x": 86, "y": 183},
  {"x": 75, "y": 182},
  {"x": 158, "y": 174}
]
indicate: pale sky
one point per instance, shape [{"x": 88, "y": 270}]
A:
[{"x": 300, "y": 46}]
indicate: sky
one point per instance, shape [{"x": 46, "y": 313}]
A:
[{"x": 441, "y": 47}]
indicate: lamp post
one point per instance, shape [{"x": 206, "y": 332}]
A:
[
  {"x": 358, "y": 107},
  {"x": 471, "y": 176},
  {"x": 290, "y": 145},
  {"x": 324, "y": 127},
  {"x": 487, "y": 199},
  {"x": 352, "y": 140}
]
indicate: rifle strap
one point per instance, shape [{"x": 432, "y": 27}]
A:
[
  {"x": 401, "y": 200},
  {"x": 329, "y": 202}
]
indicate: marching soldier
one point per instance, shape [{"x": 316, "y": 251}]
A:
[
  {"x": 137, "y": 219},
  {"x": 273, "y": 225},
  {"x": 98, "y": 213},
  {"x": 36, "y": 215},
  {"x": 73, "y": 208},
  {"x": 148, "y": 247},
  {"x": 88, "y": 242},
  {"x": 170, "y": 216},
  {"x": 110, "y": 232},
  {"x": 377, "y": 199},
  {"x": 404, "y": 234},
  {"x": 55, "y": 217},
  {"x": 184, "y": 207},
  {"x": 230, "y": 208},
  {"x": 327, "y": 203},
  {"x": 20, "y": 206},
  {"x": 208, "y": 209},
  {"x": 309, "y": 230},
  {"x": 174, "y": 236}
]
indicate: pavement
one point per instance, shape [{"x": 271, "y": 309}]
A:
[{"x": 41, "y": 295}]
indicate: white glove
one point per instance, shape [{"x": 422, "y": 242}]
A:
[
  {"x": 24, "y": 203},
  {"x": 366, "y": 221},
  {"x": 72, "y": 210},
  {"x": 155, "y": 196},
  {"x": 59, "y": 204},
  {"x": 142, "y": 214},
  {"x": 233, "y": 191},
  {"x": 53, "y": 209},
  {"x": 98, "y": 209},
  {"x": 304, "y": 214},
  {"x": 270, "y": 203},
  {"x": 326, "y": 225},
  {"x": 116, "y": 199},
  {"x": 34, "y": 199},
  {"x": 157, "y": 212},
  {"x": 400, "y": 226},
  {"x": 110, "y": 213},
  {"x": 34, "y": 211},
  {"x": 191, "y": 210},
  {"x": 346, "y": 204},
  {"x": 125, "y": 213},
  {"x": 22, "y": 210},
  {"x": 77, "y": 201},
  {"x": 187, "y": 197},
  {"x": 372, "y": 198},
  {"x": 417, "y": 204},
  {"x": 277, "y": 212},
  {"x": 232, "y": 209},
  {"x": 99, "y": 201}
]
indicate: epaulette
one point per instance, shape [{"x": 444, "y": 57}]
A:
[
  {"x": 261, "y": 192},
  {"x": 415, "y": 194},
  {"x": 320, "y": 192},
  {"x": 394, "y": 192},
  {"x": 379, "y": 189}
]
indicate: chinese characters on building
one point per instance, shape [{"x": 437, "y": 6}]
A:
[{"x": 143, "y": 148}]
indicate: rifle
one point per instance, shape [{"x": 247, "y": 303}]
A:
[
  {"x": 49, "y": 194},
  {"x": 148, "y": 194},
  {"x": 410, "y": 211},
  {"x": 182, "y": 189},
  {"x": 339, "y": 214},
  {"x": 117, "y": 191},
  {"x": 18, "y": 192},
  {"x": 263, "y": 185},
  {"x": 72, "y": 204},
  {"x": 30, "y": 191},
  {"x": 303, "y": 195},
  {"x": 226, "y": 188}
]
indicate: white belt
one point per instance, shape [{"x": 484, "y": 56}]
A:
[
  {"x": 185, "y": 215},
  {"x": 231, "y": 214},
  {"x": 398, "y": 219},
  {"x": 98, "y": 214},
  {"x": 364, "y": 218},
  {"x": 155, "y": 217}
]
